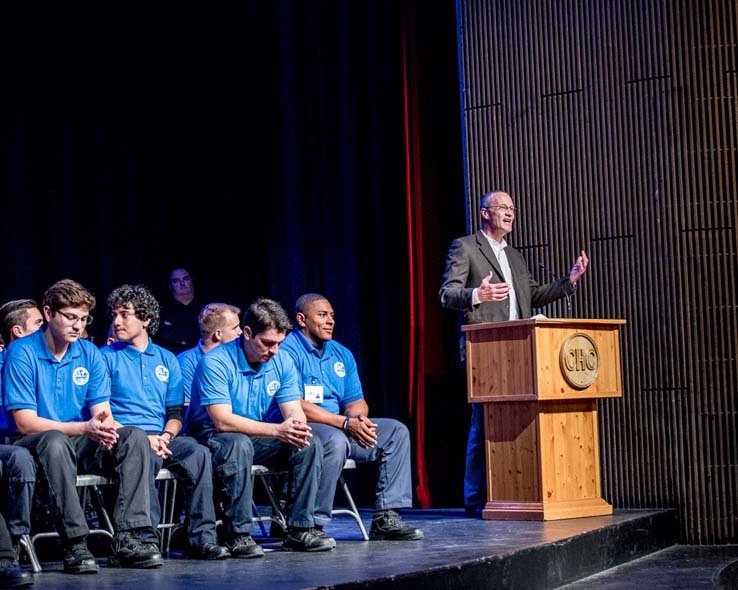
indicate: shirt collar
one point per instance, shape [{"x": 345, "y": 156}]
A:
[
  {"x": 44, "y": 352},
  {"x": 310, "y": 348},
  {"x": 496, "y": 246},
  {"x": 243, "y": 362},
  {"x": 131, "y": 351}
]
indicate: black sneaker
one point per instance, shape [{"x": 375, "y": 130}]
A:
[
  {"x": 208, "y": 551},
  {"x": 388, "y": 525},
  {"x": 12, "y": 576},
  {"x": 130, "y": 551},
  {"x": 78, "y": 559},
  {"x": 244, "y": 547},
  {"x": 318, "y": 530},
  {"x": 306, "y": 540}
]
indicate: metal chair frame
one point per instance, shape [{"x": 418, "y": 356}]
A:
[
  {"x": 278, "y": 516},
  {"x": 88, "y": 486}
]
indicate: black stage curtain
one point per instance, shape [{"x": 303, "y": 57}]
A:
[{"x": 263, "y": 145}]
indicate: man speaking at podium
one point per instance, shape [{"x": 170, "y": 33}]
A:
[{"x": 489, "y": 281}]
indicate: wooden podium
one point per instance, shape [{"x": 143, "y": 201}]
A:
[{"x": 539, "y": 380}]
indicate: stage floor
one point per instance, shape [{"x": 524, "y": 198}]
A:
[{"x": 452, "y": 543}]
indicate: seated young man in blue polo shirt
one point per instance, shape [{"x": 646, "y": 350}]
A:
[
  {"x": 17, "y": 468},
  {"x": 56, "y": 385},
  {"x": 18, "y": 319},
  {"x": 219, "y": 323},
  {"x": 146, "y": 392},
  {"x": 234, "y": 385},
  {"x": 339, "y": 415}
]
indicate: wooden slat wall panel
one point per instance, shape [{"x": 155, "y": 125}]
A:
[{"x": 614, "y": 125}]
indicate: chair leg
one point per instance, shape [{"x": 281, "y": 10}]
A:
[
  {"x": 354, "y": 510},
  {"x": 172, "y": 506},
  {"x": 168, "y": 524},
  {"x": 168, "y": 516},
  {"x": 259, "y": 519},
  {"x": 27, "y": 544},
  {"x": 102, "y": 512},
  {"x": 277, "y": 514}
]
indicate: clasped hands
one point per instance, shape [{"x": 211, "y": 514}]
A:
[
  {"x": 295, "y": 432},
  {"x": 160, "y": 445},
  {"x": 101, "y": 429},
  {"x": 363, "y": 431}
]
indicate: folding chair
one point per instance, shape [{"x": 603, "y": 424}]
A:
[
  {"x": 88, "y": 488},
  {"x": 168, "y": 505},
  {"x": 264, "y": 474},
  {"x": 278, "y": 516},
  {"x": 353, "y": 511}
]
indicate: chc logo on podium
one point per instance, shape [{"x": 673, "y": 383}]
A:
[{"x": 579, "y": 361}]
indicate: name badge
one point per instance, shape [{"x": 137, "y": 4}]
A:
[{"x": 314, "y": 393}]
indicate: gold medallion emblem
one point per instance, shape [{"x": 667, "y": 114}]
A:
[{"x": 579, "y": 360}]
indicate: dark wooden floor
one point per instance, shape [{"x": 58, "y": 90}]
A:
[{"x": 457, "y": 552}]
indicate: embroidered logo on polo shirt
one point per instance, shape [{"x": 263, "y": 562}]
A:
[
  {"x": 273, "y": 387},
  {"x": 339, "y": 369},
  {"x": 80, "y": 376},
  {"x": 162, "y": 373}
]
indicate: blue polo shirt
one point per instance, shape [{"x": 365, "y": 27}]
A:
[
  {"x": 143, "y": 384},
  {"x": 33, "y": 379},
  {"x": 6, "y": 419},
  {"x": 335, "y": 370},
  {"x": 224, "y": 376},
  {"x": 188, "y": 361}
]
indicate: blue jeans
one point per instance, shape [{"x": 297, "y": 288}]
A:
[
  {"x": 18, "y": 477},
  {"x": 391, "y": 454},
  {"x": 233, "y": 455},
  {"x": 190, "y": 461},
  {"x": 475, "y": 478}
]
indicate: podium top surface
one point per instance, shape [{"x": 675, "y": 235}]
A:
[{"x": 574, "y": 322}]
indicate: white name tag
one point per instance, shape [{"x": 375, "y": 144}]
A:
[{"x": 314, "y": 393}]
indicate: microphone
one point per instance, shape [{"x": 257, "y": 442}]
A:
[{"x": 555, "y": 278}]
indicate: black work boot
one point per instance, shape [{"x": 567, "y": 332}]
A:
[
  {"x": 208, "y": 551},
  {"x": 130, "y": 551},
  {"x": 77, "y": 557},
  {"x": 298, "y": 539},
  {"x": 318, "y": 530},
  {"x": 244, "y": 547},
  {"x": 387, "y": 525},
  {"x": 12, "y": 576}
]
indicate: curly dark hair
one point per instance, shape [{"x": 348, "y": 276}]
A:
[{"x": 141, "y": 299}]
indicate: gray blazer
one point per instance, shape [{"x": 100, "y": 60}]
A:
[{"x": 470, "y": 259}]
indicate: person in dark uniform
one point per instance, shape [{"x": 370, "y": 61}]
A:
[{"x": 179, "y": 329}]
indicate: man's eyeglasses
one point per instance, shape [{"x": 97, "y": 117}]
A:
[
  {"x": 509, "y": 208},
  {"x": 73, "y": 319}
]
